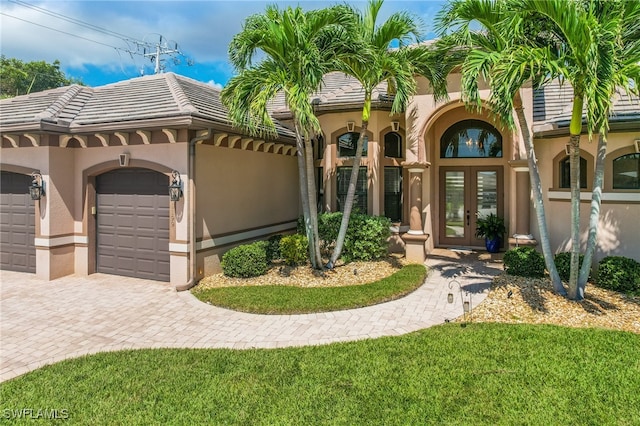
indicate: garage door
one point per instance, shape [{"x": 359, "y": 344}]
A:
[
  {"x": 17, "y": 224},
  {"x": 133, "y": 224}
]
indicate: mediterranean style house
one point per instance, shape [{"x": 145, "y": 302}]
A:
[{"x": 107, "y": 157}]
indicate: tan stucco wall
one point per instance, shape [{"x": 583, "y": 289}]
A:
[
  {"x": 619, "y": 232},
  {"x": 63, "y": 233},
  {"x": 241, "y": 195}
]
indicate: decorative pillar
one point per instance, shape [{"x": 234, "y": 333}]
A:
[
  {"x": 522, "y": 234},
  {"x": 415, "y": 239}
]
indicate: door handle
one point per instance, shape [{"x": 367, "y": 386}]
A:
[{"x": 468, "y": 218}]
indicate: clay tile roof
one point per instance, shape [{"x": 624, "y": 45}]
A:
[
  {"x": 338, "y": 89},
  {"x": 552, "y": 105},
  {"x": 162, "y": 96},
  {"x": 49, "y": 105}
]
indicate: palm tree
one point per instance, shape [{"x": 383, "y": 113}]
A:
[
  {"x": 477, "y": 54},
  {"x": 299, "y": 48},
  {"x": 593, "y": 45},
  {"x": 373, "y": 66},
  {"x": 622, "y": 43}
]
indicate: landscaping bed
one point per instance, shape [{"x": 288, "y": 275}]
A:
[
  {"x": 286, "y": 290},
  {"x": 519, "y": 300},
  {"x": 354, "y": 273}
]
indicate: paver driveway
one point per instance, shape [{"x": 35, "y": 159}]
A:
[{"x": 42, "y": 322}]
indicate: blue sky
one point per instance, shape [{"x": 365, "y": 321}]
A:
[{"x": 33, "y": 30}]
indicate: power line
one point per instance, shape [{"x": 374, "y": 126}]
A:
[
  {"x": 63, "y": 32},
  {"x": 152, "y": 51},
  {"x": 75, "y": 21}
]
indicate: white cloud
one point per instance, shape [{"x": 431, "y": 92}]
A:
[{"x": 214, "y": 84}]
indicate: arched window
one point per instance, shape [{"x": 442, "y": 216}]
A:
[
  {"x": 347, "y": 144},
  {"x": 471, "y": 139},
  {"x": 393, "y": 145},
  {"x": 626, "y": 172},
  {"x": 565, "y": 173}
]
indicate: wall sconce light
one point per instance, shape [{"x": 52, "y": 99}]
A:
[
  {"x": 36, "y": 189},
  {"x": 395, "y": 126},
  {"x": 567, "y": 149},
  {"x": 175, "y": 189},
  {"x": 636, "y": 144},
  {"x": 351, "y": 126}
]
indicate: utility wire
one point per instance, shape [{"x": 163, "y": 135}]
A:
[
  {"x": 76, "y": 21},
  {"x": 156, "y": 57},
  {"x": 64, "y": 32}
]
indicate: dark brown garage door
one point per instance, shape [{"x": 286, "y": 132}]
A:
[
  {"x": 133, "y": 224},
  {"x": 17, "y": 224}
]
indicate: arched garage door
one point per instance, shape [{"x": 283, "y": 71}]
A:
[
  {"x": 133, "y": 224},
  {"x": 17, "y": 224}
]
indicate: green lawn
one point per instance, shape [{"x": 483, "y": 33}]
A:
[
  {"x": 479, "y": 374},
  {"x": 297, "y": 300}
]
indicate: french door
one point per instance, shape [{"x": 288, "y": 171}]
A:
[{"x": 465, "y": 194}]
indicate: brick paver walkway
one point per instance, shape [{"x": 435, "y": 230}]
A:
[{"x": 42, "y": 322}]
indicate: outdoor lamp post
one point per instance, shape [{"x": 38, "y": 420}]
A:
[
  {"x": 175, "y": 189},
  {"x": 36, "y": 189},
  {"x": 466, "y": 304}
]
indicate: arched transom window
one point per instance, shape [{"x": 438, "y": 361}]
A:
[
  {"x": 626, "y": 172},
  {"x": 393, "y": 145},
  {"x": 471, "y": 139},
  {"x": 347, "y": 143}
]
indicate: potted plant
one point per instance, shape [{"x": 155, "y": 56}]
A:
[{"x": 491, "y": 228}]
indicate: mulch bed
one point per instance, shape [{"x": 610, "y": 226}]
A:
[
  {"x": 519, "y": 300},
  {"x": 354, "y": 273}
]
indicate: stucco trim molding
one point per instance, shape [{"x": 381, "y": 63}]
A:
[
  {"x": 178, "y": 248},
  {"x": 245, "y": 235},
  {"x": 62, "y": 240},
  {"x": 616, "y": 197}
]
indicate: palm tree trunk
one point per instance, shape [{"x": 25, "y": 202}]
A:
[
  {"x": 538, "y": 202},
  {"x": 304, "y": 193},
  {"x": 594, "y": 216},
  {"x": 313, "y": 204},
  {"x": 348, "y": 202},
  {"x": 575, "y": 129}
]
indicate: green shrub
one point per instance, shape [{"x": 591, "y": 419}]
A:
[
  {"x": 273, "y": 248},
  {"x": 563, "y": 264},
  {"x": 524, "y": 261},
  {"x": 294, "y": 249},
  {"x": 366, "y": 238},
  {"x": 328, "y": 228},
  {"x": 619, "y": 273},
  {"x": 245, "y": 261}
]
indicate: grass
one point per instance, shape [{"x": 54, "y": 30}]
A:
[
  {"x": 480, "y": 374},
  {"x": 273, "y": 299}
]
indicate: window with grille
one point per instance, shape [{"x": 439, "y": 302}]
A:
[
  {"x": 393, "y": 193},
  {"x": 360, "y": 201}
]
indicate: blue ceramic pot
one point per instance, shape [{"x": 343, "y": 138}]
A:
[{"x": 493, "y": 246}]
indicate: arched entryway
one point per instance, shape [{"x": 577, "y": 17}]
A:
[
  {"x": 132, "y": 223},
  {"x": 469, "y": 157}
]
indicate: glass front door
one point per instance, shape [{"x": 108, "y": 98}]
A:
[{"x": 467, "y": 193}]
